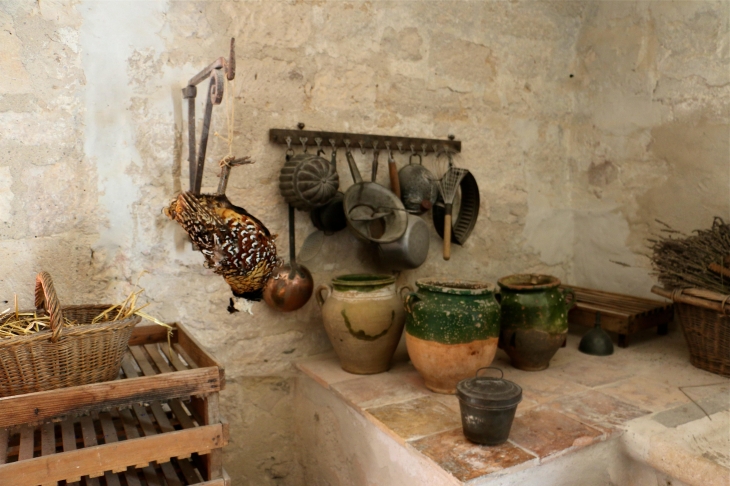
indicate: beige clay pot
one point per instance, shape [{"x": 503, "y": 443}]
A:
[{"x": 364, "y": 319}]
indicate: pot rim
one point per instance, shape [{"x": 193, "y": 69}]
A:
[
  {"x": 363, "y": 279},
  {"x": 456, "y": 287},
  {"x": 523, "y": 281}
]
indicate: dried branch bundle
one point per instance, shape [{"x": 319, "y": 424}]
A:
[{"x": 683, "y": 261}]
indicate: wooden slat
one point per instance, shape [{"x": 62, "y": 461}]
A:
[
  {"x": 158, "y": 359},
  {"x": 150, "y": 334},
  {"x": 197, "y": 352},
  {"x": 182, "y": 417},
  {"x": 4, "y": 436},
  {"x": 144, "y": 363},
  {"x": 190, "y": 473},
  {"x": 110, "y": 436},
  {"x": 163, "y": 461},
  {"x": 603, "y": 310},
  {"x": 26, "y": 443},
  {"x": 626, "y": 297},
  {"x": 130, "y": 430},
  {"x": 57, "y": 467},
  {"x": 181, "y": 351},
  {"x": 89, "y": 435},
  {"x": 68, "y": 439},
  {"x": 48, "y": 439},
  {"x": 53, "y": 403}
]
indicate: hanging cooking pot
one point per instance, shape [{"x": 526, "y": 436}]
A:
[
  {"x": 372, "y": 211},
  {"x": 308, "y": 181},
  {"x": 418, "y": 187},
  {"x": 411, "y": 249}
]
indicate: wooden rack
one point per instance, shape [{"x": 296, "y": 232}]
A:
[
  {"x": 620, "y": 313},
  {"x": 363, "y": 141},
  {"x": 158, "y": 424}
]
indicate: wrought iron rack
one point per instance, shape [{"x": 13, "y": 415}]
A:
[
  {"x": 216, "y": 70},
  {"x": 310, "y": 138}
]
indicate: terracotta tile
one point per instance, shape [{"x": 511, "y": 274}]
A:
[
  {"x": 541, "y": 388},
  {"x": 466, "y": 460},
  {"x": 598, "y": 409},
  {"x": 681, "y": 374},
  {"x": 593, "y": 371},
  {"x": 376, "y": 390},
  {"x": 325, "y": 370},
  {"x": 547, "y": 432},
  {"x": 645, "y": 393},
  {"x": 417, "y": 418}
]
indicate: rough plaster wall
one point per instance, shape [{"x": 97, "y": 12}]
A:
[
  {"x": 92, "y": 143},
  {"x": 650, "y": 137}
]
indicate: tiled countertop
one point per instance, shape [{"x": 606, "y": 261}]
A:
[{"x": 579, "y": 401}]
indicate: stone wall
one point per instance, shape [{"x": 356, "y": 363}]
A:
[{"x": 582, "y": 122}]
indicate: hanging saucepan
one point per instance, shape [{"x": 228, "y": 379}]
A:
[
  {"x": 373, "y": 212},
  {"x": 468, "y": 202},
  {"x": 308, "y": 181},
  {"x": 411, "y": 249},
  {"x": 418, "y": 186}
]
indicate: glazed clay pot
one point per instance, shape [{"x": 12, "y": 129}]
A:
[
  {"x": 364, "y": 318},
  {"x": 452, "y": 330},
  {"x": 534, "y": 319}
]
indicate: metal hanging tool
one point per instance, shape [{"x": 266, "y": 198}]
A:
[{"x": 216, "y": 71}]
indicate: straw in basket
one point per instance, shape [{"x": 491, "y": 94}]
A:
[{"x": 63, "y": 356}]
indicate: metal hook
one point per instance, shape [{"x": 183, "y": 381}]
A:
[
  {"x": 334, "y": 145},
  {"x": 347, "y": 145},
  {"x": 390, "y": 153},
  {"x": 289, "y": 150},
  {"x": 436, "y": 150},
  {"x": 304, "y": 143},
  {"x": 413, "y": 149},
  {"x": 375, "y": 145},
  {"x": 400, "y": 147},
  {"x": 423, "y": 147},
  {"x": 362, "y": 147}
]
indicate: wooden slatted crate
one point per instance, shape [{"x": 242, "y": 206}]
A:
[
  {"x": 159, "y": 420},
  {"x": 620, "y": 313}
]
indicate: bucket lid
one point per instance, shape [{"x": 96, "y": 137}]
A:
[{"x": 488, "y": 392}]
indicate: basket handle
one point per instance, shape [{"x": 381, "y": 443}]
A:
[{"x": 46, "y": 298}]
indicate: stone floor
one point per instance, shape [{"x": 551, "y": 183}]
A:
[{"x": 578, "y": 401}]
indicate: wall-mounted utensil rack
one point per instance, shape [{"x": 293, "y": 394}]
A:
[{"x": 363, "y": 141}]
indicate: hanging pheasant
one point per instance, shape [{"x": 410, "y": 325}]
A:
[{"x": 235, "y": 244}]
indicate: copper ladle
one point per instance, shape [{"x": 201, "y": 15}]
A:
[{"x": 291, "y": 285}]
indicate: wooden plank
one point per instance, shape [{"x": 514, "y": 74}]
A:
[
  {"x": 602, "y": 310},
  {"x": 184, "y": 354},
  {"x": 182, "y": 416},
  {"x": 26, "y": 443},
  {"x": 89, "y": 435},
  {"x": 192, "y": 476},
  {"x": 58, "y": 467},
  {"x": 110, "y": 436},
  {"x": 68, "y": 439},
  {"x": 53, "y": 403},
  {"x": 150, "y": 334},
  {"x": 177, "y": 362},
  {"x": 158, "y": 359},
  {"x": 198, "y": 353},
  {"x": 130, "y": 430},
  {"x": 143, "y": 361},
  {"x": 4, "y": 437},
  {"x": 149, "y": 430},
  {"x": 48, "y": 439},
  {"x": 622, "y": 296}
]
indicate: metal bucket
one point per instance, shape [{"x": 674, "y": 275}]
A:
[{"x": 488, "y": 407}]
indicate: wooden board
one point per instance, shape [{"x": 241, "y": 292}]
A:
[{"x": 620, "y": 313}]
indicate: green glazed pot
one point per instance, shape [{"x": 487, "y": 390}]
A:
[
  {"x": 452, "y": 330},
  {"x": 363, "y": 316},
  {"x": 534, "y": 319}
]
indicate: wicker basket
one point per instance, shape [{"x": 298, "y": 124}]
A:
[
  {"x": 63, "y": 356},
  {"x": 708, "y": 337}
]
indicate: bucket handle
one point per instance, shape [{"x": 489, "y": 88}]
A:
[
  {"x": 318, "y": 293},
  {"x": 405, "y": 287},
  {"x": 491, "y": 368}
]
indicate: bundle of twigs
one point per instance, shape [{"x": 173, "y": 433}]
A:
[{"x": 700, "y": 260}]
